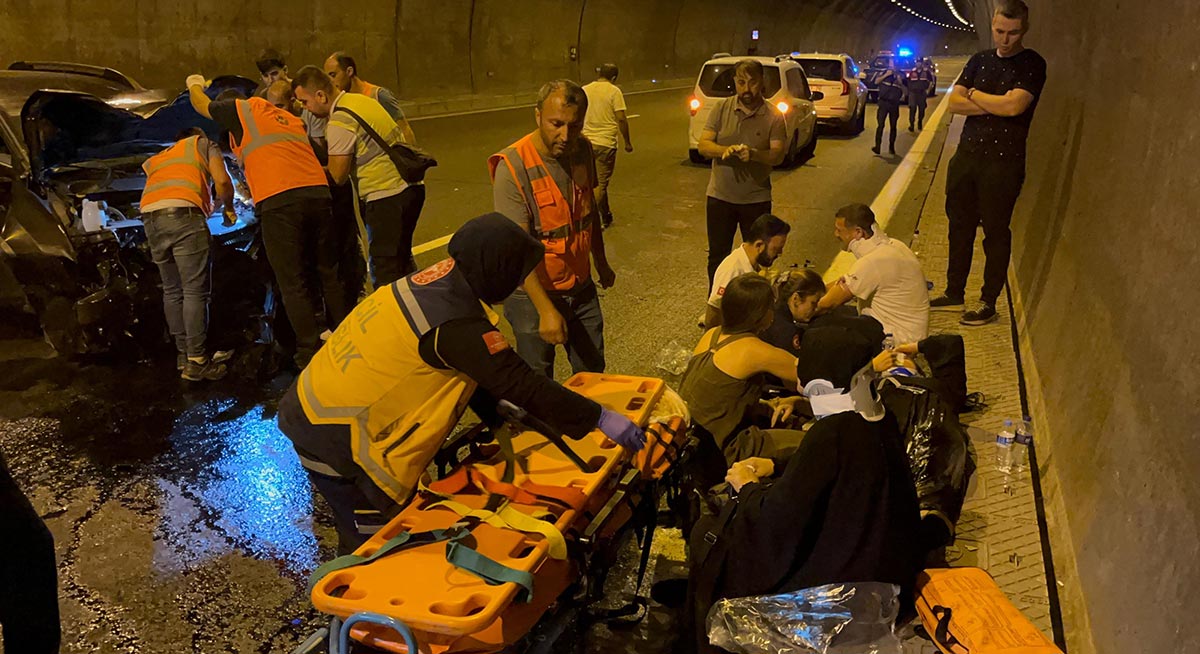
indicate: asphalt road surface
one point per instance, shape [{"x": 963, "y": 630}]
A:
[{"x": 182, "y": 520}]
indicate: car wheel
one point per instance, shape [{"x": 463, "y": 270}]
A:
[
  {"x": 695, "y": 156},
  {"x": 809, "y": 148},
  {"x": 790, "y": 159},
  {"x": 862, "y": 120}
]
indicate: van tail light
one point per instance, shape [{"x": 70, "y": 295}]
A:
[
  {"x": 694, "y": 105},
  {"x": 783, "y": 107},
  {"x": 845, "y": 87}
]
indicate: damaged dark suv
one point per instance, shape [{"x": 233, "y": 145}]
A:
[{"x": 74, "y": 263}]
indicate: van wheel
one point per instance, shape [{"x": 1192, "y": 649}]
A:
[
  {"x": 861, "y": 123},
  {"x": 790, "y": 158},
  {"x": 809, "y": 149}
]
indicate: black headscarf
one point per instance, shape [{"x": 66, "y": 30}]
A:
[
  {"x": 495, "y": 255},
  {"x": 833, "y": 353}
]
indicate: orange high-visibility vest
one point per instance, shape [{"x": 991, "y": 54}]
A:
[
  {"x": 562, "y": 225},
  {"x": 274, "y": 150},
  {"x": 370, "y": 90},
  {"x": 179, "y": 173}
]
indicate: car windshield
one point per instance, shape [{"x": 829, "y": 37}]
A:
[
  {"x": 830, "y": 69},
  {"x": 716, "y": 80}
]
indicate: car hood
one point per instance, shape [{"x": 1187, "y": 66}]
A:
[{"x": 62, "y": 128}]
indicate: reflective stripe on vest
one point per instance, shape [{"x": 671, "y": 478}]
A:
[
  {"x": 274, "y": 151},
  {"x": 563, "y": 226},
  {"x": 178, "y": 173}
]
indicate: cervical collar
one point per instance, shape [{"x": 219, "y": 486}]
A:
[
  {"x": 827, "y": 400},
  {"x": 864, "y": 246}
]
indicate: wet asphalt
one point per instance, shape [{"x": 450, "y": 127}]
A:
[{"x": 182, "y": 519}]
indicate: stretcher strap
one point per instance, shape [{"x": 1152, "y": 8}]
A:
[
  {"x": 527, "y": 493},
  {"x": 458, "y": 554},
  {"x": 509, "y": 518}
]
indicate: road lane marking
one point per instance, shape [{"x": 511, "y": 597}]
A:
[
  {"x": 634, "y": 116},
  {"x": 432, "y": 245},
  {"x": 885, "y": 203}
]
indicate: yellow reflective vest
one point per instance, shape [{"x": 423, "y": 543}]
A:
[{"x": 370, "y": 377}]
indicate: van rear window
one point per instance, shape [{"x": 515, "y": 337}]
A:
[{"x": 716, "y": 81}]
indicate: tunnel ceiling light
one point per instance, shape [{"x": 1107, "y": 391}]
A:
[
  {"x": 929, "y": 20},
  {"x": 957, "y": 16}
]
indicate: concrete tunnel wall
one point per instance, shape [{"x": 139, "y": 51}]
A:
[
  {"x": 1104, "y": 260},
  {"x": 450, "y": 48}
]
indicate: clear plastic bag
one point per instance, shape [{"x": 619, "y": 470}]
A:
[
  {"x": 673, "y": 358},
  {"x": 856, "y": 618}
]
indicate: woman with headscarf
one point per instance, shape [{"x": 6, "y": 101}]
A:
[{"x": 370, "y": 411}]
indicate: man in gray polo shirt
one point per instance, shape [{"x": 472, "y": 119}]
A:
[{"x": 744, "y": 137}]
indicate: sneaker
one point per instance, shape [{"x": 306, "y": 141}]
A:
[
  {"x": 946, "y": 303},
  {"x": 910, "y": 127},
  {"x": 875, "y": 149},
  {"x": 981, "y": 315},
  {"x": 892, "y": 150},
  {"x": 180, "y": 361},
  {"x": 221, "y": 356},
  {"x": 606, "y": 222},
  {"x": 700, "y": 320},
  {"x": 206, "y": 371},
  {"x": 976, "y": 401}
]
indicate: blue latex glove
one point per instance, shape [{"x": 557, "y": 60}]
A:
[{"x": 621, "y": 430}]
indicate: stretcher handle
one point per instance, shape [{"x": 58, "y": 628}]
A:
[
  {"x": 375, "y": 618},
  {"x": 510, "y": 411}
]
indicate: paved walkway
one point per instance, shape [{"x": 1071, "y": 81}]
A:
[{"x": 998, "y": 530}]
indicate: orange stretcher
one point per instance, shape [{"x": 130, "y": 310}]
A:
[{"x": 534, "y": 524}]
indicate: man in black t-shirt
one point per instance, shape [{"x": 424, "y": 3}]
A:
[{"x": 997, "y": 92}]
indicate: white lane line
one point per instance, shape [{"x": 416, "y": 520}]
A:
[
  {"x": 432, "y": 245},
  {"x": 634, "y": 116},
  {"x": 884, "y": 205}
]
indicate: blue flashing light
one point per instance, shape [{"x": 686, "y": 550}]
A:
[{"x": 904, "y": 52}]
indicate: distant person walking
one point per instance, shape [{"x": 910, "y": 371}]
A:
[
  {"x": 744, "y": 137},
  {"x": 998, "y": 92},
  {"x": 918, "y": 94},
  {"x": 605, "y": 117},
  {"x": 891, "y": 96}
]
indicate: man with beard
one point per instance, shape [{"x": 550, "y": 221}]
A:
[
  {"x": 764, "y": 244},
  {"x": 369, "y": 413},
  {"x": 744, "y": 137},
  {"x": 545, "y": 183}
]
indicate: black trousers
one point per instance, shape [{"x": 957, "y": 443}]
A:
[
  {"x": 352, "y": 266},
  {"x": 887, "y": 112},
  {"x": 28, "y": 578},
  {"x": 725, "y": 218},
  {"x": 301, "y": 244},
  {"x": 391, "y": 222},
  {"x": 981, "y": 191},
  {"x": 917, "y": 101}
]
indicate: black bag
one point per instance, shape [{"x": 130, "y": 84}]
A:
[{"x": 410, "y": 161}]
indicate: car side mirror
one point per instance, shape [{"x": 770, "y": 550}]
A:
[{"x": 816, "y": 95}]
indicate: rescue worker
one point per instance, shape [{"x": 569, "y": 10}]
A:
[
  {"x": 391, "y": 205},
  {"x": 544, "y": 183},
  {"x": 28, "y": 576},
  {"x": 344, "y": 72},
  {"x": 368, "y": 414},
  {"x": 291, "y": 198},
  {"x": 919, "y": 83},
  {"x": 175, "y": 206},
  {"x": 891, "y": 95}
]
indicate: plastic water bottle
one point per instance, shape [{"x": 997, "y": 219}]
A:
[
  {"x": 1004, "y": 448},
  {"x": 1022, "y": 438},
  {"x": 913, "y": 245}
]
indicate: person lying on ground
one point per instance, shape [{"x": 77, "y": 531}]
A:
[
  {"x": 763, "y": 245},
  {"x": 842, "y": 508}
]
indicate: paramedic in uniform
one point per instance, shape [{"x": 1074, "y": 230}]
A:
[{"x": 377, "y": 402}]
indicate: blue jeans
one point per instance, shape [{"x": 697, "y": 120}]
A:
[
  {"x": 179, "y": 242},
  {"x": 580, "y": 308}
]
